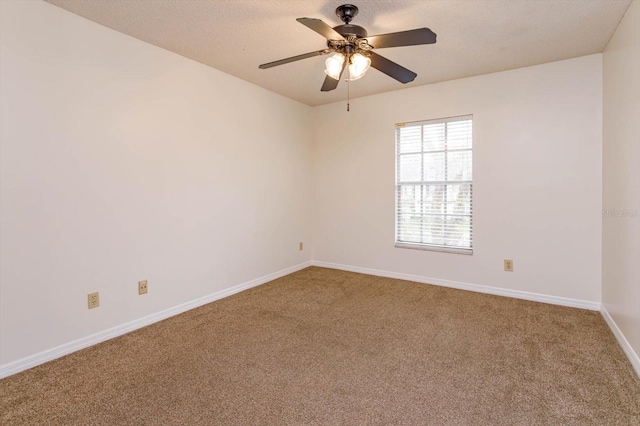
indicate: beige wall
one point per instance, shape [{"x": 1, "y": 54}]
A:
[
  {"x": 537, "y": 179},
  {"x": 121, "y": 161},
  {"x": 621, "y": 178}
]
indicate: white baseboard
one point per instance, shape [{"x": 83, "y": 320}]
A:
[
  {"x": 536, "y": 297},
  {"x": 84, "y": 342},
  {"x": 624, "y": 343}
]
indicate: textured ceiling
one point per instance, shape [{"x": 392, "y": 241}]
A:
[{"x": 474, "y": 36}]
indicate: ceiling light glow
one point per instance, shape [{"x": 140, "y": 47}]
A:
[
  {"x": 334, "y": 65},
  {"x": 358, "y": 66}
]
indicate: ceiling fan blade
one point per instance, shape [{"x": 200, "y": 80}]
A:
[
  {"x": 294, "y": 58},
  {"x": 403, "y": 38},
  {"x": 331, "y": 83},
  {"x": 392, "y": 69},
  {"x": 321, "y": 28}
]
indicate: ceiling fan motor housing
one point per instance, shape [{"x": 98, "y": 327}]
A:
[
  {"x": 347, "y": 30},
  {"x": 352, "y": 33}
]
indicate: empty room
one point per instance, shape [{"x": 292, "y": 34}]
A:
[{"x": 407, "y": 212}]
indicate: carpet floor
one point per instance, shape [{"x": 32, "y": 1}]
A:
[{"x": 322, "y": 346}]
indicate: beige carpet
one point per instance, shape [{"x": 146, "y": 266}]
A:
[{"x": 328, "y": 347}]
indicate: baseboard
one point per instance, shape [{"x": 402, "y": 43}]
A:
[
  {"x": 624, "y": 343},
  {"x": 76, "y": 345},
  {"x": 536, "y": 297}
]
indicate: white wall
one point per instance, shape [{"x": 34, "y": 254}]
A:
[
  {"x": 121, "y": 161},
  {"x": 621, "y": 178},
  {"x": 537, "y": 179}
]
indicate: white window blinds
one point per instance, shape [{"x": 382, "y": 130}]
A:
[{"x": 434, "y": 184}]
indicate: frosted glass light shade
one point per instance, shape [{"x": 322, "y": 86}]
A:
[
  {"x": 334, "y": 65},
  {"x": 358, "y": 66}
]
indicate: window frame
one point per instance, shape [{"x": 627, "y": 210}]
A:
[{"x": 398, "y": 186}]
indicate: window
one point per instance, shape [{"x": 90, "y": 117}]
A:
[{"x": 434, "y": 185}]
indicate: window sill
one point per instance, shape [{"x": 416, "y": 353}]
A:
[{"x": 434, "y": 248}]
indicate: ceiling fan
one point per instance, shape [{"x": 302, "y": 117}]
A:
[{"x": 353, "y": 49}]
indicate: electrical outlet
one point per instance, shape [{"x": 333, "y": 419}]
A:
[
  {"x": 142, "y": 287},
  {"x": 301, "y": 246},
  {"x": 93, "y": 300},
  {"x": 508, "y": 265}
]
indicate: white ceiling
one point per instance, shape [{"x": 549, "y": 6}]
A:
[{"x": 474, "y": 36}]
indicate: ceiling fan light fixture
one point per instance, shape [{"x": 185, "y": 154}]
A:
[
  {"x": 351, "y": 47},
  {"x": 334, "y": 65},
  {"x": 358, "y": 66}
]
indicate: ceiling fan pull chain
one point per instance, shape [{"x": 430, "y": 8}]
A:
[{"x": 348, "y": 95}]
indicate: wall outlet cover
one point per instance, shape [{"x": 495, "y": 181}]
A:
[
  {"x": 143, "y": 288},
  {"x": 508, "y": 265},
  {"x": 93, "y": 300}
]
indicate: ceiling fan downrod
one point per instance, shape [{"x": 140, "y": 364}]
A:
[{"x": 346, "y": 13}]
